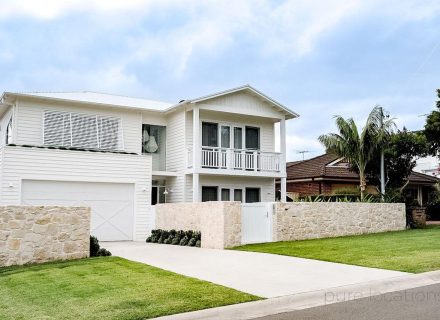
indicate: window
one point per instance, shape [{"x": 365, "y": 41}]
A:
[
  {"x": 158, "y": 192},
  {"x": 209, "y": 194},
  {"x": 238, "y": 195},
  {"x": 252, "y": 195},
  {"x": 69, "y": 129},
  {"x": 225, "y": 137},
  {"x": 209, "y": 134},
  {"x": 252, "y": 138},
  {"x": 238, "y": 138},
  {"x": 154, "y": 143},
  {"x": 9, "y": 132},
  {"x": 226, "y": 195}
]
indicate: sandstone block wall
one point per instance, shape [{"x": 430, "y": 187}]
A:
[
  {"x": 309, "y": 220},
  {"x": 36, "y": 234},
  {"x": 218, "y": 221}
]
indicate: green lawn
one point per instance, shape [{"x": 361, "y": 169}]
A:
[
  {"x": 105, "y": 288},
  {"x": 410, "y": 250}
]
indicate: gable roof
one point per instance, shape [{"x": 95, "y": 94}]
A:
[
  {"x": 105, "y": 99},
  {"x": 289, "y": 113},
  {"x": 326, "y": 167}
]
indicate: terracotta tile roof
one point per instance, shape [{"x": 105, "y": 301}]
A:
[{"x": 319, "y": 167}]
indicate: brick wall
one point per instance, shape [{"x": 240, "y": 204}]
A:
[{"x": 309, "y": 188}]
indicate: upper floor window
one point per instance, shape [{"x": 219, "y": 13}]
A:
[
  {"x": 227, "y": 136},
  {"x": 69, "y": 129},
  {"x": 9, "y": 132}
]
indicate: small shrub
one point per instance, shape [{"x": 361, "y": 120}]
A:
[
  {"x": 198, "y": 243},
  {"x": 176, "y": 240},
  {"x": 175, "y": 237},
  {"x": 189, "y": 234},
  {"x": 96, "y": 250},
  {"x": 104, "y": 253},
  {"x": 168, "y": 240},
  {"x": 94, "y": 246},
  {"x": 192, "y": 242},
  {"x": 184, "y": 241}
]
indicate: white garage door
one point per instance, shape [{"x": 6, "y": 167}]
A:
[{"x": 112, "y": 203}]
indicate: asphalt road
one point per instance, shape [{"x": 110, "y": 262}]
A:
[{"x": 414, "y": 304}]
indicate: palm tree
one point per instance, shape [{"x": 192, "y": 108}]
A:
[{"x": 359, "y": 148}]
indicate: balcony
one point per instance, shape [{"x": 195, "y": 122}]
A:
[{"x": 237, "y": 160}]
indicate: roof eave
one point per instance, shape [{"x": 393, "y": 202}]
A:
[{"x": 14, "y": 94}]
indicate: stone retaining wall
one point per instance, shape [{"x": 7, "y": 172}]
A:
[
  {"x": 309, "y": 220},
  {"x": 218, "y": 221},
  {"x": 36, "y": 234}
]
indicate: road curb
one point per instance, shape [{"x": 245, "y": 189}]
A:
[{"x": 300, "y": 301}]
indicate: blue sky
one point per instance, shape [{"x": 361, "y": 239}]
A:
[{"x": 318, "y": 57}]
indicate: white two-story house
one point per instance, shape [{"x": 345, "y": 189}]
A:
[{"x": 122, "y": 155}]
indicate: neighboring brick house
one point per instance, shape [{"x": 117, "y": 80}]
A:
[{"x": 329, "y": 174}]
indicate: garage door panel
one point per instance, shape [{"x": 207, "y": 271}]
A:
[{"x": 112, "y": 204}]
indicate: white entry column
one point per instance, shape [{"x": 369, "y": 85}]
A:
[
  {"x": 283, "y": 159},
  {"x": 196, "y": 152}
]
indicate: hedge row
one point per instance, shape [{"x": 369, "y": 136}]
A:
[{"x": 181, "y": 237}]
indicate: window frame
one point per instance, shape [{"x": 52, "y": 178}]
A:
[
  {"x": 232, "y": 126},
  {"x": 9, "y": 132},
  {"x": 232, "y": 189},
  {"x": 246, "y": 193}
]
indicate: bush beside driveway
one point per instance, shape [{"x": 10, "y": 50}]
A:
[
  {"x": 105, "y": 288},
  {"x": 416, "y": 250}
]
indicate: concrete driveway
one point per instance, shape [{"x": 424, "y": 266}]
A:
[{"x": 261, "y": 274}]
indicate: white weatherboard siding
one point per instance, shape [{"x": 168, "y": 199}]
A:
[
  {"x": 267, "y": 185},
  {"x": 242, "y": 103},
  {"x": 29, "y": 120},
  {"x": 176, "y": 155},
  {"x": 20, "y": 163}
]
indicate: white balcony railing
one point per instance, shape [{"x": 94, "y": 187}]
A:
[{"x": 237, "y": 159}]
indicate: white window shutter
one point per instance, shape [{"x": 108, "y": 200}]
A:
[{"x": 79, "y": 130}]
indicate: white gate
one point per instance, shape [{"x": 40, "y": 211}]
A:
[{"x": 256, "y": 222}]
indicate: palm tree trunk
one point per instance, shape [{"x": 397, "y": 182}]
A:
[{"x": 363, "y": 184}]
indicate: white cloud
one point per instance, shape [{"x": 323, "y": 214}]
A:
[{"x": 51, "y": 9}]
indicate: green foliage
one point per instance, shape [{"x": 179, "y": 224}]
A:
[
  {"x": 433, "y": 205},
  {"x": 192, "y": 242},
  {"x": 184, "y": 241},
  {"x": 368, "y": 198},
  {"x": 359, "y": 148},
  {"x": 94, "y": 246},
  {"x": 432, "y": 128},
  {"x": 174, "y": 237},
  {"x": 401, "y": 152},
  {"x": 96, "y": 250}
]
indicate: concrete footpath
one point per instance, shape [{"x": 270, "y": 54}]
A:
[
  {"x": 264, "y": 275},
  {"x": 288, "y": 304}
]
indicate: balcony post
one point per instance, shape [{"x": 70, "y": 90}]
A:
[
  {"x": 255, "y": 161},
  {"x": 283, "y": 158},
  {"x": 197, "y": 152},
  {"x": 196, "y": 137}
]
